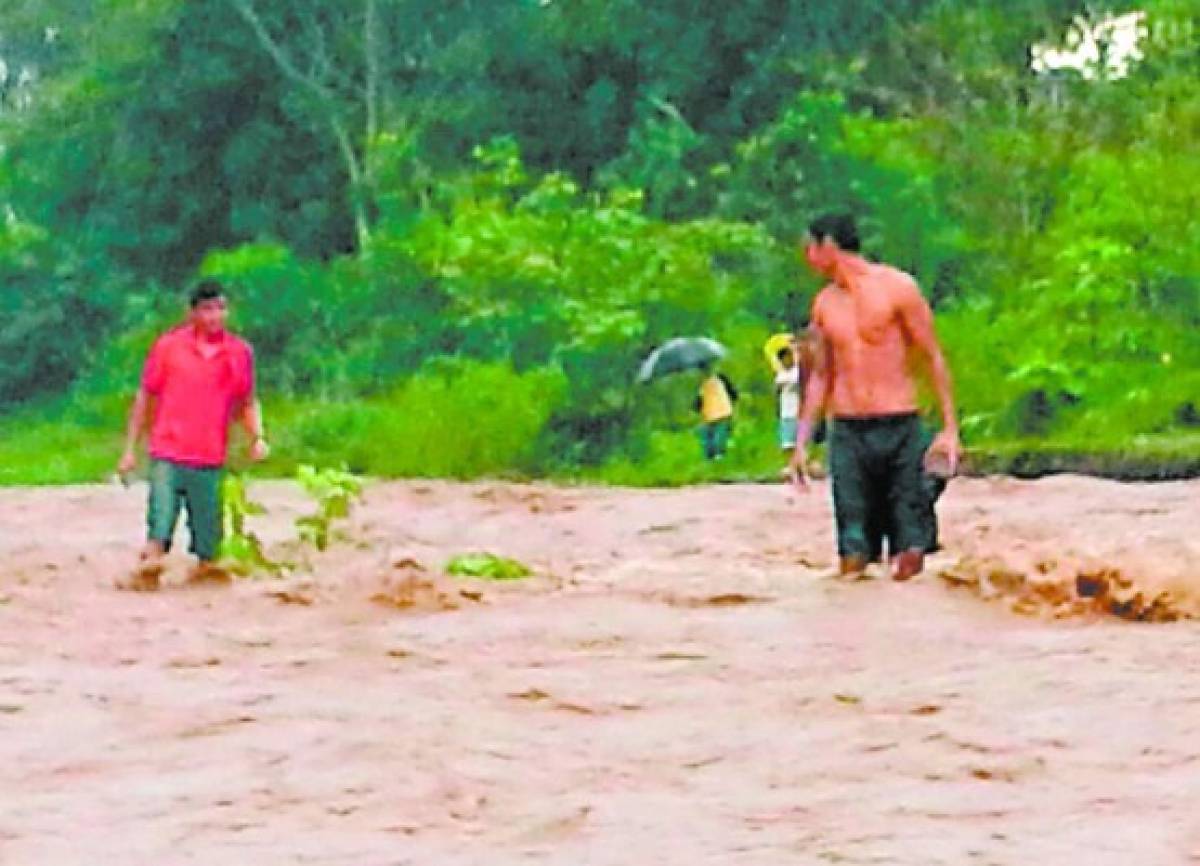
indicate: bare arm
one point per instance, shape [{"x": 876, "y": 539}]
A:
[
  {"x": 817, "y": 384},
  {"x": 816, "y": 393},
  {"x": 917, "y": 319},
  {"x": 250, "y": 417},
  {"x": 139, "y": 417},
  {"x": 249, "y": 413}
]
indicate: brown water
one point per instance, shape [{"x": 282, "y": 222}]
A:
[{"x": 682, "y": 683}]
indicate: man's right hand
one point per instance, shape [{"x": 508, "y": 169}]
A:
[
  {"x": 127, "y": 463},
  {"x": 797, "y": 469}
]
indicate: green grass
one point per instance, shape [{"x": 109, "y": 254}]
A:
[
  {"x": 380, "y": 440},
  {"x": 41, "y": 451},
  {"x": 464, "y": 421},
  {"x": 672, "y": 458},
  {"x": 484, "y": 420}
]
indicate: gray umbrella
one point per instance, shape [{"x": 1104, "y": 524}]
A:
[{"x": 681, "y": 353}]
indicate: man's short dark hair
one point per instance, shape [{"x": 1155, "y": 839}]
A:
[
  {"x": 206, "y": 290},
  {"x": 839, "y": 227}
]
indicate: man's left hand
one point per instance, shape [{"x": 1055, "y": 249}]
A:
[
  {"x": 947, "y": 444},
  {"x": 259, "y": 449}
]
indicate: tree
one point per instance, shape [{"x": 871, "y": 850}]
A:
[{"x": 361, "y": 69}]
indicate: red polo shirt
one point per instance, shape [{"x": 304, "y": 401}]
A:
[{"x": 195, "y": 396}]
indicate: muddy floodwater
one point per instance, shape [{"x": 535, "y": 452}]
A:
[{"x": 681, "y": 681}]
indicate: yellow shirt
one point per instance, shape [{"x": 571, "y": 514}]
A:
[{"x": 714, "y": 400}]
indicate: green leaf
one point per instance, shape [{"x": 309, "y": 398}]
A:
[{"x": 487, "y": 565}]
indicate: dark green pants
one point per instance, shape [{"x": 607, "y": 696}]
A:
[
  {"x": 880, "y": 489},
  {"x": 880, "y": 533},
  {"x": 173, "y": 485}
]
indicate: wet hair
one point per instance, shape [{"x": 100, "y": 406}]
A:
[
  {"x": 205, "y": 290},
  {"x": 839, "y": 227}
]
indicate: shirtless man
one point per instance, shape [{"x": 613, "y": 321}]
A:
[{"x": 872, "y": 321}]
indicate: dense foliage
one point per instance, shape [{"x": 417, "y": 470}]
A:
[{"x": 452, "y": 228}]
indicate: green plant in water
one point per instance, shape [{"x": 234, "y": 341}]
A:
[
  {"x": 487, "y": 565},
  {"x": 241, "y": 549},
  {"x": 335, "y": 491}
]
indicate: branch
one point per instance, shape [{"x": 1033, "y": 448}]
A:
[
  {"x": 325, "y": 65},
  {"x": 361, "y": 223},
  {"x": 371, "y": 48},
  {"x": 330, "y": 103},
  {"x": 276, "y": 53}
]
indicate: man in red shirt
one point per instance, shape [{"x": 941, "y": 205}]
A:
[{"x": 198, "y": 378}]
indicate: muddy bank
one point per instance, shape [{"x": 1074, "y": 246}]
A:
[{"x": 1123, "y": 466}]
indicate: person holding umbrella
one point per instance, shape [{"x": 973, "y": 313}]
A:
[{"x": 717, "y": 394}]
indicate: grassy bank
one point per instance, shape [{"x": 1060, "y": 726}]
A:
[
  {"x": 392, "y": 438},
  {"x": 1162, "y": 457}
]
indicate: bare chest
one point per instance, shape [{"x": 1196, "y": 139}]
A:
[{"x": 865, "y": 320}]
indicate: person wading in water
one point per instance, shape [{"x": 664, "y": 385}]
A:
[{"x": 872, "y": 321}]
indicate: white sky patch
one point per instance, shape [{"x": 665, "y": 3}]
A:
[{"x": 1108, "y": 47}]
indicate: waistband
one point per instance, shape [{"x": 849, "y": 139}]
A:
[{"x": 887, "y": 420}]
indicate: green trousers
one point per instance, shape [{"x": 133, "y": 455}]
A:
[
  {"x": 714, "y": 437},
  {"x": 880, "y": 489},
  {"x": 172, "y": 486}
]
